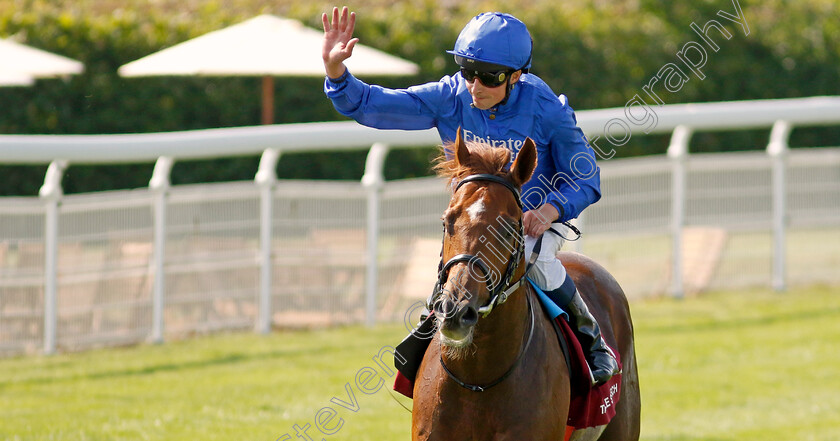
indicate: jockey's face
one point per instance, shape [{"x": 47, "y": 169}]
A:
[{"x": 487, "y": 97}]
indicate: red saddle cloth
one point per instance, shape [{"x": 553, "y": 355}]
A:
[{"x": 589, "y": 406}]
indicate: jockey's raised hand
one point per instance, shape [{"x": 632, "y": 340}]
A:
[{"x": 338, "y": 40}]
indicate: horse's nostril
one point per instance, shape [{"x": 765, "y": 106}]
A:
[
  {"x": 447, "y": 308},
  {"x": 469, "y": 316}
]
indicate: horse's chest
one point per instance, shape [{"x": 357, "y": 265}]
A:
[
  {"x": 497, "y": 415},
  {"x": 484, "y": 425},
  {"x": 530, "y": 404}
]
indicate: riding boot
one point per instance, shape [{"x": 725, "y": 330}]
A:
[{"x": 602, "y": 362}]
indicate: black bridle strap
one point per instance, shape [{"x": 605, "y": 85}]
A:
[
  {"x": 502, "y": 296},
  {"x": 479, "y": 388},
  {"x": 470, "y": 260},
  {"x": 491, "y": 178}
]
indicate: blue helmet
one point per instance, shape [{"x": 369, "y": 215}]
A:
[{"x": 494, "y": 39}]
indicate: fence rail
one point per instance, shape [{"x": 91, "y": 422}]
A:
[{"x": 127, "y": 266}]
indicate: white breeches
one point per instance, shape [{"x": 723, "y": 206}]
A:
[{"x": 548, "y": 273}]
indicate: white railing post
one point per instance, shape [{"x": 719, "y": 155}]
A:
[
  {"x": 373, "y": 180},
  {"x": 678, "y": 153},
  {"x": 159, "y": 185},
  {"x": 266, "y": 179},
  {"x": 51, "y": 192},
  {"x": 777, "y": 148}
]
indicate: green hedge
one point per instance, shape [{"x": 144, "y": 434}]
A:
[{"x": 598, "y": 53}]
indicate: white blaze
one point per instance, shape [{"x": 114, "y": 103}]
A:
[{"x": 476, "y": 209}]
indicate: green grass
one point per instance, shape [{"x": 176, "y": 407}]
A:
[
  {"x": 726, "y": 366},
  {"x": 741, "y": 366}
]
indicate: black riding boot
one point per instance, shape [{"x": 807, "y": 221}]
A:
[{"x": 602, "y": 362}]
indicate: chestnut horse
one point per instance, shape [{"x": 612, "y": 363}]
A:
[{"x": 494, "y": 369}]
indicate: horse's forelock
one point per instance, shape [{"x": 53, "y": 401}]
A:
[{"x": 484, "y": 158}]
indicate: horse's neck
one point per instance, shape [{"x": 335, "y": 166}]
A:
[{"x": 498, "y": 339}]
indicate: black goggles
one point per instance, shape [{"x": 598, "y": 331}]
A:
[{"x": 489, "y": 79}]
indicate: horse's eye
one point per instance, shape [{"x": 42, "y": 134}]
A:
[
  {"x": 509, "y": 228},
  {"x": 449, "y": 222}
]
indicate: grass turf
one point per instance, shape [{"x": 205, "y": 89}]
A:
[{"x": 753, "y": 365}]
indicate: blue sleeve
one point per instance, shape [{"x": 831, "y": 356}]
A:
[
  {"x": 577, "y": 182},
  {"x": 414, "y": 108}
]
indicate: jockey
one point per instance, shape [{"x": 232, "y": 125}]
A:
[{"x": 493, "y": 99}]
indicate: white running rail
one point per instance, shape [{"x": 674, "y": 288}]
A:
[{"x": 607, "y": 130}]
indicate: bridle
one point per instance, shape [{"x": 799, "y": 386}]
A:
[
  {"x": 506, "y": 286},
  {"x": 498, "y": 293}
]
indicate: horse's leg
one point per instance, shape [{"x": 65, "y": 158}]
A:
[
  {"x": 609, "y": 306},
  {"x": 625, "y": 425}
]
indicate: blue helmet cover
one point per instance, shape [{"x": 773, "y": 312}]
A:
[{"x": 495, "y": 38}]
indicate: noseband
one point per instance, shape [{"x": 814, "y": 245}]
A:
[{"x": 499, "y": 292}]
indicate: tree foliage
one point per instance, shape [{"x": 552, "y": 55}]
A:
[{"x": 599, "y": 53}]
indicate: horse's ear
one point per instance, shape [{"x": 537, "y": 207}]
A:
[
  {"x": 525, "y": 163},
  {"x": 462, "y": 153}
]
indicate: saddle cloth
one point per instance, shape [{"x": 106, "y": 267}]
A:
[{"x": 589, "y": 406}]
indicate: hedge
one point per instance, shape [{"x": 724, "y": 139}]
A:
[{"x": 599, "y": 53}]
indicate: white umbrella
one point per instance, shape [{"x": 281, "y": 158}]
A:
[
  {"x": 264, "y": 46},
  {"x": 21, "y": 64},
  {"x": 15, "y": 79}
]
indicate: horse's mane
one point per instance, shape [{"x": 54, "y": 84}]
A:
[{"x": 484, "y": 158}]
